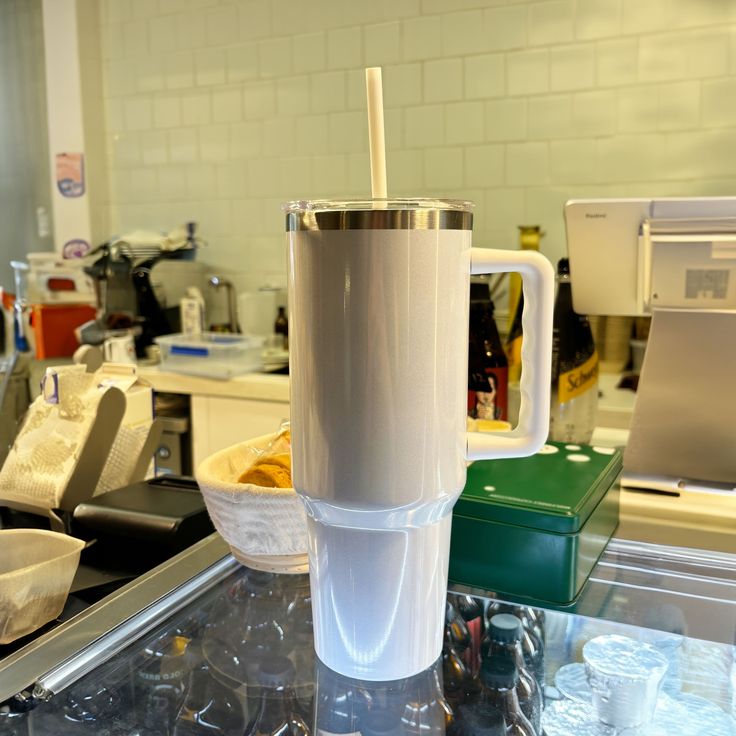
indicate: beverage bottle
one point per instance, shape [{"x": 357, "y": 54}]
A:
[
  {"x": 574, "y": 368},
  {"x": 472, "y": 613},
  {"x": 504, "y": 640},
  {"x": 499, "y": 677},
  {"x": 160, "y": 678},
  {"x": 426, "y": 711},
  {"x": 479, "y": 719},
  {"x": 455, "y": 675},
  {"x": 532, "y": 648},
  {"x": 208, "y": 708},
  {"x": 458, "y": 629},
  {"x": 487, "y": 362},
  {"x": 281, "y": 327},
  {"x": 529, "y": 238},
  {"x": 531, "y": 618},
  {"x": 278, "y": 712},
  {"x": 339, "y": 703}
]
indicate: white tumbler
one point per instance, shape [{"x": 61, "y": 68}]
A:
[{"x": 378, "y": 339}]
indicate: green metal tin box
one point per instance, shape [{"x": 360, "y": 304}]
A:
[{"x": 533, "y": 528}]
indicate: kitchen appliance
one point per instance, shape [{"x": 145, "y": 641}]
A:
[
  {"x": 126, "y": 297},
  {"x": 676, "y": 260},
  {"x": 379, "y": 299}
]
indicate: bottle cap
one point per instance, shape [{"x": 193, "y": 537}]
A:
[
  {"x": 505, "y": 627},
  {"x": 499, "y": 672},
  {"x": 480, "y": 719},
  {"x": 563, "y": 267},
  {"x": 277, "y": 671}
]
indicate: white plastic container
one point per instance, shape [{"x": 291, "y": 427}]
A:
[
  {"x": 36, "y": 571},
  {"x": 211, "y": 354}
]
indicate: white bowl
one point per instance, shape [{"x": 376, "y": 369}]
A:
[{"x": 266, "y": 528}]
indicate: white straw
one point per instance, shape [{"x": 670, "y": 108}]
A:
[{"x": 376, "y": 138}]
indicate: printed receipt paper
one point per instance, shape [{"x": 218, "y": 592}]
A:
[{"x": 684, "y": 423}]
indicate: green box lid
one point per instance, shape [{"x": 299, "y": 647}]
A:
[{"x": 555, "y": 490}]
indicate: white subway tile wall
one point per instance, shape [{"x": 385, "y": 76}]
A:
[{"x": 218, "y": 110}]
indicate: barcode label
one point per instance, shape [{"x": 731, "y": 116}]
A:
[{"x": 706, "y": 283}]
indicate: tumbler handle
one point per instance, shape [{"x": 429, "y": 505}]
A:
[{"x": 536, "y": 354}]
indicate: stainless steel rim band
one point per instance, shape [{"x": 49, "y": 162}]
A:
[{"x": 396, "y": 219}]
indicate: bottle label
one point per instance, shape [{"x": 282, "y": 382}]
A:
[
  {"x": 578, "y": 380},
  {"x": 513, "y": 354},
  {"x": 489, "y": 399}
]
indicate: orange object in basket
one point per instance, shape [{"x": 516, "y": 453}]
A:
[{"x": 54, "y": 325}]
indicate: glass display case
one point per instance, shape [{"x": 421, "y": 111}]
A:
[{"x": 202, "y": 645}]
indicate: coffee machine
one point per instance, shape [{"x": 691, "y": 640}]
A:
[{"x": 126, "y": 299}]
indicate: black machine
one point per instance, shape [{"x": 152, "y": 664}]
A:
[{"x": 126, "y": 300}]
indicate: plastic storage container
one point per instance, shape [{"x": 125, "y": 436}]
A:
[
  {"x": 36, "y": 571},
  {"x": 532, "y": 529},
  {"x": 211, "y": 354}
]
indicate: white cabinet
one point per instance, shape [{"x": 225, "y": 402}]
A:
[{"x": 218, "y": 422}]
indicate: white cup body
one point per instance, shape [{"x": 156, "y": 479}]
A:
[
  {"x": 378, "y": 297},
  {"x": 378, "y": 351}
]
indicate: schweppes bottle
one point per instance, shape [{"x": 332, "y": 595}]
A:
[{"x": 574, "y": 368}]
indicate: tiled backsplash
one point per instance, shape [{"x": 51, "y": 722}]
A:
[{"x": 219, "y": 111}]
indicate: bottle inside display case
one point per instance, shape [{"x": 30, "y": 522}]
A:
[
  {"x": 504, "y": 642},
  {"x": 208, "y": 707},
  {"x": 499, "y": 678},
  {"x": 693, "y": 696},
  {"x": 278, "y": 713}
]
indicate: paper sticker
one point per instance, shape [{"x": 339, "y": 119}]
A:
[
  {"x": 70, "y": 174},
  {"x": 76, "y": 248}
]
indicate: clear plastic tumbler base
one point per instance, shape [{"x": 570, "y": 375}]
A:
[{"x": 378, "y": 597}]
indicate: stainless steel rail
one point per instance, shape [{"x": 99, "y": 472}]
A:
[{"x": 54, "y": 661}]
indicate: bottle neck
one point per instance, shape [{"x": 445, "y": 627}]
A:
[
  {"x": 505, "y": 699},
  {"x": 277, "y": 704},
  {"x": 510, "y": 650}
]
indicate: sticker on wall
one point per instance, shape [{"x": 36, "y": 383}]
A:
[
  {"x": 76, "y": 248},
  {"x": 70, "y": 174}
]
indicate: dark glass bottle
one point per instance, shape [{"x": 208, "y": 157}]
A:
[
  {"x": 479, "y": 719},
  {"x": 574, "y": 368},
  {"x": 487, "y": 363},
  {"x": 504, "y": 641},
  {"x": 532, "y": 642},
  {"x": 472, "y": 613},
  {"x": 426, "y": 711},
  {"x": 499, "y": 677},
  {"x": 208, "y": 708},
  {"x": 455, "y": 675},
  {"x": 513, "y": 341},
  {"x": 278, "y": 713},
  {"x": 455, "y": 624},
  {"x": 281, "y": 327}
]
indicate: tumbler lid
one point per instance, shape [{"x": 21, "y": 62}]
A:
[{"x": 379, "y": 214}]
